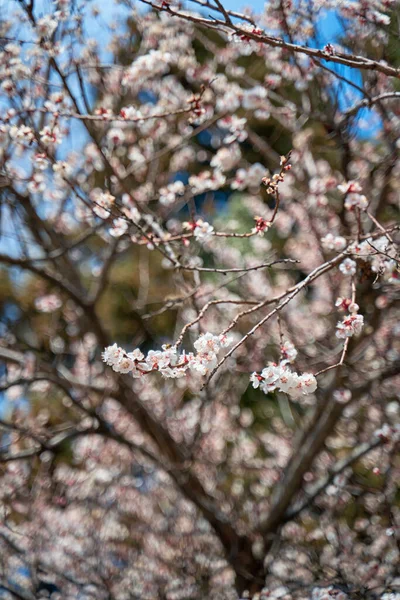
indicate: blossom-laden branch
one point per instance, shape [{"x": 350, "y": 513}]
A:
[{"x": 253, "y": 33}]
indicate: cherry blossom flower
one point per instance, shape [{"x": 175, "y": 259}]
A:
[
  {"x": 226, "y": 158},
  {"x": 333, "y": 242},
  {"x": 206, "y": 181},
  {"x": 37, "y": 183},
  {"x": 112, "y": 355},
  {"x": 279, "y": 377},
  {"x": 351, "y": 325},
  {"x": 40, "y": 161},
  {"x": 46, "y": 26},
  {"x": 342, "y": 396},
  {"x": 103, "y": 202},
  {"x": 131, "y": 113},
  {"x": 169, "y": 193},
  {"x": 120, "y": 226},
  {"x": 203, "y": 231},
  {"x": 22, "y": 133},
  {"x": 48, "y": 304},
  {"x": 50, "y": 135},
  {"x": 249, "y": 178},
  {"x": 288, "y": 351},
  {"x": 348, "y": 267}
]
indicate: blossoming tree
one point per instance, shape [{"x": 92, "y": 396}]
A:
[{"x": 199, "y": 332}]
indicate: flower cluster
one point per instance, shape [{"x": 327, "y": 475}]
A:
[
  {"x": 288, "y": 351},
  {"x": 169, "y": 193},
  {"x": 280, "y": 377},
  {"x": 202, "y": 230},
  {"x": 328, "y": 593},
  {"x": 235, "y": 126},
  {"x": 261, "y": 226},
  {"x": 103, "y": 203},
  {"x": 168, "y": 361},
  {"x": 48, "y": 304},
  {"x": 248, "y": 178},
  {"x": 389, "y": 433},
  {"x": 347, "y": 304},
  {"x": 353, "y": 197},
  {"x": 380, "y": 253},
  {"x": 226, "y": 157},
  {"x": 333, "y": 242},
  {"x": 342, "y": 395},
  {"x": 22, "y": 134},
  {"x": 349, "y": 326},
  {"x": 206, "y": 181},
  {"x": 120, "y": 226},
  {"x": 147, "y": 66}
]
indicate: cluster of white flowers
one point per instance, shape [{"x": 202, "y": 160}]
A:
[
  {"x": 48, "y": 304},
  {"x": 342, "y": 396},
  {"x": 46, "y": 26},
  {"x": 348, "y": 267},
  {"x": 40, "y": 161},
  {"x": 346, "y": 304},
  {"x": 390, "y": 596},
  {"x": 226, "y": 157},
  {"x": 103, "y": 202},
  {"x": 353, "y": 199},
  {"x": 37, "y": 183},
  {"x": 147, "y": 66},
  {"x": 280, "y": 377},
  {"x": 56, "y": 102},
  {"x": 169, "y": 193},
  {"x": 131, "y": 112},
  {"x": 21, "y": 134},
  {"x": 380, "y": 253},
  {"x": 333, "y": 242},
  {"x": 8, "y": 87},
  {"x": 230, "y": 100},
  {"x": 202, "y": 230},
  {"x": 328, "y": 593},
  {"x": 349, "y": 326},
  {"x": 168, "y": 361},
  {"x": 236, "y": 128},
  {"x": 249, "y": 178},
  {"x": 206, "y": 181},
  {"x": 105, "y": 113},
  {"x": 120, "y": 226},
  {"x": 247, "y": 44},
  {"x": 116, "y": 136},
  {"x": 256, "y": 99},
  {"x": 50, "y": 135},
  {"x": 288, "y": 351},
  {"x": 375, "y": 16},
  {"x": 353, "y": 323},
  {"x": 390, "y": 433}
]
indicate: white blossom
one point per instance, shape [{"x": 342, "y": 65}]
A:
[
  {"x": 120, "y": 226},
  {"x": 203, "y": 231},
  {"x": 226, "y": 158},
  {"x": 48, "y": 304},
  {"x": 333, "y": 242},
  {"x": 348, "y": 267},
  {"x": 281, "y": 378},
  {"x": 351, "y": 325}
]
